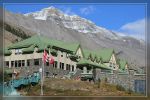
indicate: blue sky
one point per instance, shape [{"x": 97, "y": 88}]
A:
[{"x": 125, "y": 19}]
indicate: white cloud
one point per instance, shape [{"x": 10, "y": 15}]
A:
[
  {"x": 135, "y": 29},
  {"x": 68, "y": 11},
  {"x": 87, "y": 10}
]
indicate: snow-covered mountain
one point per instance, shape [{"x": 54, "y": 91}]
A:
[{"x": 70, "y": 21}]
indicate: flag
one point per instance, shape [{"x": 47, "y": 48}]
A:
[
  {"x": 14, "y": 71},
  {"x": 51, "y": 60},
  {"x": 45, "y": 56}
]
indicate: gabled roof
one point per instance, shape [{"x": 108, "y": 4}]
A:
[
  {"x": 102, "y": 54},
  {"x": 71, "y": 46},
  {"x": 42, "y": 43},
  {"x": 105, "y": 54},
  {"x": 96, "y": 58},
  {"x": 122, "y": 64},
  {"x": 87, "y": 53},
  {"x": 83, "y": 62}
]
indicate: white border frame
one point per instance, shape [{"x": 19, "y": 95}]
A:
[{"x": 83, "y": 4}]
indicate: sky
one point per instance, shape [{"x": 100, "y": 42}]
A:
[{"x": 124, "y": 19}]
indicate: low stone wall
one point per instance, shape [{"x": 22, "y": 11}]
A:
[
  {"x": 126, "y": 80},
  {"x": 48, "y": 71}
]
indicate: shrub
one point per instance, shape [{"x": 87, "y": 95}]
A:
[
  {"x": 120, "y": 88},
  {"x": 129, "y": 91},
  {"x": 16, "y": 31}
]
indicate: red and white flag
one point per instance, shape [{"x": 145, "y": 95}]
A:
[
  {"x": 45, "y": 56},
  {"x": 14, "y": 71},
  {"x": 51, "y": 60}
]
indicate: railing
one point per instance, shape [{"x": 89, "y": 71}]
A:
[{"x": 88, "y": 73}]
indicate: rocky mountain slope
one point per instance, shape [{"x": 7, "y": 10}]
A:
[{"x": 54, "y": 24}]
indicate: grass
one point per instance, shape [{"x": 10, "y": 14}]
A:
[{"x": 61, "y": 87}]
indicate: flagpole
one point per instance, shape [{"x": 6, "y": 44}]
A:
[{"x": 42, "y": 76}]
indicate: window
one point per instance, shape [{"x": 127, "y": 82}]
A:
[
  {"x": 69, "y": 67},
  {"x": 23, "y": 63},
  {"x": 36, "y": 62},
  {"x": 19, "y": 63},
  {"x": 12, "y": 63},
  {"x": 72, "y": 67},
  {"x": 16, "y": 63},
  {"x": 7, "y": 63},
  {"x": 28, "y": 62},
  {"x": 66, "y": 66},
  {"x": 18, "y": 51},
  {"x": 62, "y": 65}
]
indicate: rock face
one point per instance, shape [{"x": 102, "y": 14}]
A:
[
  {"x": 54, "y": 24},
  {"x": 74, "y": 22}
]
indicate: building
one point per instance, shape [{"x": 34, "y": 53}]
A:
[{"x": 67, "y": 56}]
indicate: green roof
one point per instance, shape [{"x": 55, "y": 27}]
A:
[
  {"x": 87, "y": 53},
  {"x": 71, "y": 46},
  {"x": 88, "y": 62},
  {"x": 42, "y": 43},
  {"x": 28, "y": 49},
  {"x": 102, "y": 54},
  {"x": 105, "y": 54},
  {"x": 7, "y": 52},
  {"x": 122, "y": 64}
]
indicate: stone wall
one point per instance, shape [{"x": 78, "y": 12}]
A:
[{"x": 127, "y": 80}]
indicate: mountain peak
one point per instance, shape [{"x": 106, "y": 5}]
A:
[
  {"x": 51, "y": 7},
  {"x": 74, "y": 22}
]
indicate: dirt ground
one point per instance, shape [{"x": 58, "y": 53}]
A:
[{"x": 65, "y": 87}]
